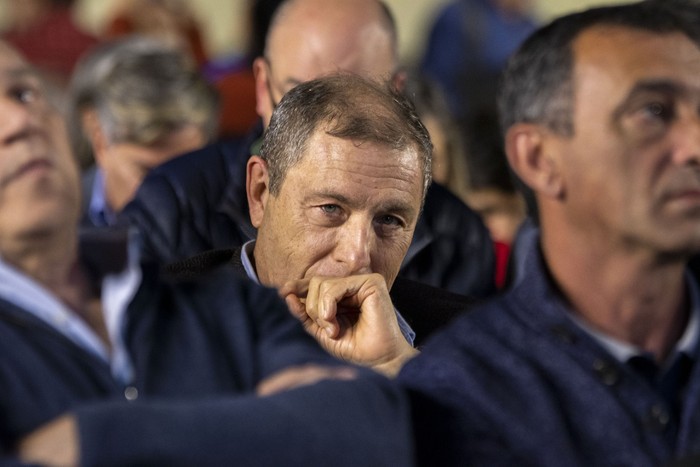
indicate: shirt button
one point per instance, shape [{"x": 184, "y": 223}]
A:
[
  {"x": 607, "y": 372},
  {"x": 658, "y": 418},
  {"x": 131, "y": 393},
  {"x": 564, "y": 334}
]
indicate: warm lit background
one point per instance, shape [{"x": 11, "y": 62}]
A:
[{"x": 224, "y": 27}]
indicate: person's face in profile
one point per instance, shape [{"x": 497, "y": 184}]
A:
[
  {"x": 344, "y": 209},
  {"x": 125, "y": 164},
  {"x": 39, "y": 185},
  {"x": 631, "y": 170}
]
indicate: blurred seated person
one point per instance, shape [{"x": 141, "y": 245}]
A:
[
  {"x": 104, "y": 363},
  {"x": 235, "y": 80},
  {"x": 45, "y": 32},
  {"x": 467, "y": 47},
  {"x": 449, "y": 149},
  {"x": 198, "y": 202},
  {"x": 139, "y": 103},
  {"x": 470, "y": 162},
  {"x": 492, "y": 189},
  {"x": 170, "y": 20}
]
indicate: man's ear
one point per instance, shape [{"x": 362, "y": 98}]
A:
[
  {"x": 95, "y": 135},
  {"x": 257, "y": 188},
  {"x": 263, "y": 99},
  {"x": 531, "y": 155},
  {"x": 398, "y": 80}
]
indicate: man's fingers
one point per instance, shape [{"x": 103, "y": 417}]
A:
[
  {"x": 297, "y": 287},
  {"x": 329, "y": 300},
  {"x": 311, "y": 324}
]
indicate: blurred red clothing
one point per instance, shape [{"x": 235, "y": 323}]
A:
[
  {"x": 123, "y": 24},
  {"x": 502, "y": 256},
  {"x": 54, "y": 43},
  {"x": 237, "y": 91}
]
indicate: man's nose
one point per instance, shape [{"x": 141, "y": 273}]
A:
[
  {"x": 354, "y": 244},
  {"x": 687, "y": 150},
  {"x": 15, "y": 119}
]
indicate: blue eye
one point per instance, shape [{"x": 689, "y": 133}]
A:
[{"x": 330, "y": 208}]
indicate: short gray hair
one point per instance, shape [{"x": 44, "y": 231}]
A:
[
  {"x": 142, "y": 89},
  {"x": 345, "y": 106}
]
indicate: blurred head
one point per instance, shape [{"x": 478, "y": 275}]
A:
[
  {"x": 312, "y": 38},
  {"x": 340, "y": 182},
  {"x": 39, "y": 187},
  {"x": 449, "y": 157},
  {"x": 600, "y": 110},
  {"x": 141, "y": 103}
]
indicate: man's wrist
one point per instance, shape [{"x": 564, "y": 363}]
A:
[{"x": 392, "y": 367}]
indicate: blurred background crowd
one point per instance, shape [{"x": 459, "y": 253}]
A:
[{"x": 451, "y": 50}]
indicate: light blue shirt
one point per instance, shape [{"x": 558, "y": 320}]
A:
[
  {"x": 117, "y": 292},
  {"x": 246, "y": 255},
  {"x": 100, "y": 214}
]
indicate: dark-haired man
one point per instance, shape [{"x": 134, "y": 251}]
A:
[{"x": 592, "y": 357}]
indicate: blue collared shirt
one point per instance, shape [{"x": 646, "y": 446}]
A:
[
  {"x": 246, "y": 255},
  {"x": 118, "y": 290},
  {"x": 100, "y": 214}
]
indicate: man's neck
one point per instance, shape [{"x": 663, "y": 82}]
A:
[
  {"x": 634, "y": 297},
  {"x": 52, "y": 260}
]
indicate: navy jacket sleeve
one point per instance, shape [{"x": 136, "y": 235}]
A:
[
  {"x": 357, "y": 422},
  {"x": 360, "y": 422}
]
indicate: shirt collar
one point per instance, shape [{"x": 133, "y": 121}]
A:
[
  {"x": 623, "y": 351},
  {"x": 247, "y": 260},
  {"x": 118, "y": 287},
  {"x": 99, "y": 212}
]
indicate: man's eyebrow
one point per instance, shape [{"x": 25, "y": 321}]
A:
[
  {"x": 317, "y": 196},
  {"x": 23, "y": 72},
  {"x": 392, "y": 206},
  {"x": 652, "y": 86}
]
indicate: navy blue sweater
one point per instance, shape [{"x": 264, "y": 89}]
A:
[
  {"x": 516, "y": 382},
  {"x": 199, "y": 350}
]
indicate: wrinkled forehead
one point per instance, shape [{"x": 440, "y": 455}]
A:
[
  {"x": 10, "y": 59},
  {"x": 625, "y": 56}
]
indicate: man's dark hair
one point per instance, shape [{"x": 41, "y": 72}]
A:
[
  {"x": 345, "y": 106},
  {"x": 537, "y": 83}
]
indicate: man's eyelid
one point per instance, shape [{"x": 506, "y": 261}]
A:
[
  {"x": 23, "y": 87},
  {"x": 400, "y": 220},
  {"x": 658, "y": 108},
  {"x": 337, "y": 208}
]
